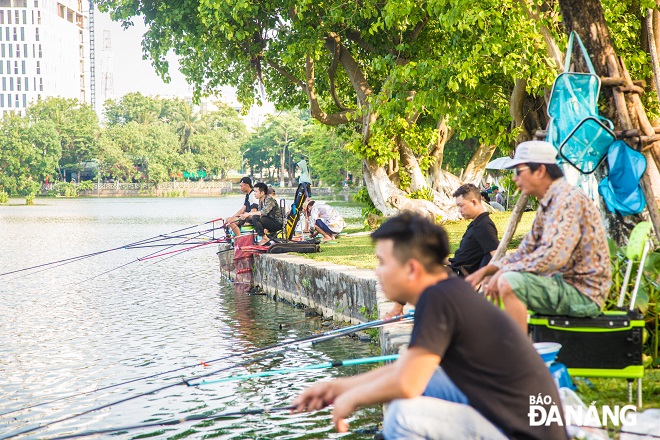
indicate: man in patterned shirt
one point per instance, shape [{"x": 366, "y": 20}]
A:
[{"x": 562, "y": 266}]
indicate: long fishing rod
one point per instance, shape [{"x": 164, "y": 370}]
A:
[
  {"x": 71, "y": 259},
  {"x": 178, "y": 421},
  {"x": 126, "y": 399},
  {"x": 151, "y": 255},
  {"x": 307, "y": 339},
  {"x": 321, "y": 366}
]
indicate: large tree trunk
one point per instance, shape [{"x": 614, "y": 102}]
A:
[
  {"x": 477, "y": 165},
  {"x": 587, "y": 19},
  {"x": 435, "y": 174}
]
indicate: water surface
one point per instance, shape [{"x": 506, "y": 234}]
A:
[{"x": 110, "y": 318}]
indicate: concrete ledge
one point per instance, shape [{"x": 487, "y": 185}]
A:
[{"x": 342, "y": 292}]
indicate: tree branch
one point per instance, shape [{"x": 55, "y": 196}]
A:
[
  {"x": 314, "y": 107},
  {"x": 333, "y": 69},
  {"x": 287, "y": 75}
]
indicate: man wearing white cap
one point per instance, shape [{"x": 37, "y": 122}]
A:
[{"x": 562, "y": 266}]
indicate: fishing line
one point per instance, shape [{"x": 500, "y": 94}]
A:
[
  {"x": 178, "y": 421},
  {"x": 307, "y": 339},
  {"x": 126, "y": 246},
  {"x": 107, "y": 405}
]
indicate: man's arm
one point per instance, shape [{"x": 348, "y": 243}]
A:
[
  {"x": 405, "y": 378},
  {"x": 477, "y": 277}
]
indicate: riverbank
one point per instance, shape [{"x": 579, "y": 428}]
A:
[{"x": 339, "y": 282}]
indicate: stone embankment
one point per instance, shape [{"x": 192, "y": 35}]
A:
[{"x": 341, "y": 292}]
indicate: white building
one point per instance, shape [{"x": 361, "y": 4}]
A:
[{"x": 42, "y": 52}]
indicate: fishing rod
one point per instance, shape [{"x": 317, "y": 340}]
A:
[
  {"x": 126, "y": 246},
  {"x": 321, "y": 366},
  {"x": 126, "y": 399},
  {"x": 178, "y": 421},
  {"x": 307, "y": 339},
  {"x": 151, "y": 255}
]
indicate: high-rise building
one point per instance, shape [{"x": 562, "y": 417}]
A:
[{"x": 42, "y": 52}]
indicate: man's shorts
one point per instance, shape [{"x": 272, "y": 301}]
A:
[{"x": 550, "y": 295}]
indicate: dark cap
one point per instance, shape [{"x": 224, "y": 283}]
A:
[{"x": 246, "y": 180}]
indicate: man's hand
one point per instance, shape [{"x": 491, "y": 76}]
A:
[
  {"x": 491, "y": 291},
  {"x": 475, "y": 278},
  {"x": 316, "y": 397},
  {"x": 397, "y": 309},
  {"x": 344, "y": 406}
]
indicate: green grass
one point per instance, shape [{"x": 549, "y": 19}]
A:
[{"x": 358, "y": 251}]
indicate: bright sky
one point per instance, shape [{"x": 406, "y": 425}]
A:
[{"x": 130, "y": 72}]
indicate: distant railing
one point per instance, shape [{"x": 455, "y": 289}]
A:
[{"x": 119, "y": 186}]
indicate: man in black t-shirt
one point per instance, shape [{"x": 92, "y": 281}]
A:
[
  {"x": 491, "y": 377},
  {"x": 479, "y": 242},
  {"x": 250, "y": 204}
]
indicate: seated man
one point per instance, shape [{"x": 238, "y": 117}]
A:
[
  {"x": 268, "y": 219},
  {"x": 562, "y": 266},
  {"x": 249, "y": 204},
  {"x": 323, "y": 219},
  {"x": 498, "y": 203},
  {"x": 479, "y": 242},
  {"x": 490, "y": 369}
]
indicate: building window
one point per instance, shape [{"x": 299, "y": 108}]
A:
[
  {"x": 40, "y": 51},
  {"x": 10, "y": 50},
  {"x": 11, "y": 83},
  {"x": 41, "y": 84},
  {"x": 24, "y": 17},
  {"x": 22, "y": 33},
  {"x": 3, "y": 50},
  {"x": 25, "y": 51},
  {"x": 18, "y": 51},
  {"x": 15, "y": 33},
  {"x": 24, "y": 101},
  {"x": 36, "y": 32},
  {"x": 23, "y": 67},
  {"x": 2, "y": 68},
  {"x": 2, "y": 100},
  {"x": 34, "y": 80},
  {"x": 15, "y": 67},
  {"x": 7, "y": 32},
  {"x": 27, "y": 83},
  {"x": 16, "y": 102},
  {"x": 8, "y": 16},
  {"x": 16, "y": 17},
  {"x": 4, "y": 84},
  {"x": 18, "y": 84},
  {"x": 36, "y": 3},
  {"x": 38, "y": 17},
  {"x": 38, "y": 67},
  {"x": 9, "y": 101},
  {"x": 2, "y": 17}
]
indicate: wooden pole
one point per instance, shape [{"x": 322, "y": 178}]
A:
[{"x": 516, "y": 215}]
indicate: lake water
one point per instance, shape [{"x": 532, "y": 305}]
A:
[{"x": 91, "y": 324}]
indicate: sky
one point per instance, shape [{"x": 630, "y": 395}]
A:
[{"x": 130, "y": 72}]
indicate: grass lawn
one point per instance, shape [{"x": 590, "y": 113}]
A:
[{"x": 358, "y": 251}]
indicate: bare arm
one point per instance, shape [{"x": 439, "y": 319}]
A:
[{"x": 405, "y": 378}]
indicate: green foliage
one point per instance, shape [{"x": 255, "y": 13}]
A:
[
  {"x": 648, "y": 296},
  {"x": 424, "y": 193},
  {"x": 64, "y": 189},
  {"x": 86, "y": 185},
  {"x": 4, "y": 197},
  {"x": 362, "y": 196},
  {"x": 29, "y": 154}
]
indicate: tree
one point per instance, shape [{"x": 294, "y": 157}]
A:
[
  {"x": 187, "y": 123},
  {"x": 29, "y": 154},
  {"x": 77, "y": 127},
  {"x": 135, "y": 107}
]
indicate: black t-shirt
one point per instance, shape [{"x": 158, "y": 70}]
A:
[
  {"x": 479, "y": 240},
  {"x": 487, "y": 356}
]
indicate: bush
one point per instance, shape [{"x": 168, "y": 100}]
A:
[
  {"x": 362, "y": 196},
  {"x": 86, "y": 185},
  {"x": 4, "y": 197}
]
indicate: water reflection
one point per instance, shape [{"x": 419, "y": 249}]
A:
[{"x": 68, "y": 330}]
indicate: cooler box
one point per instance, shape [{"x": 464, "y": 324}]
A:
[{"x": 609, "y": 345}]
